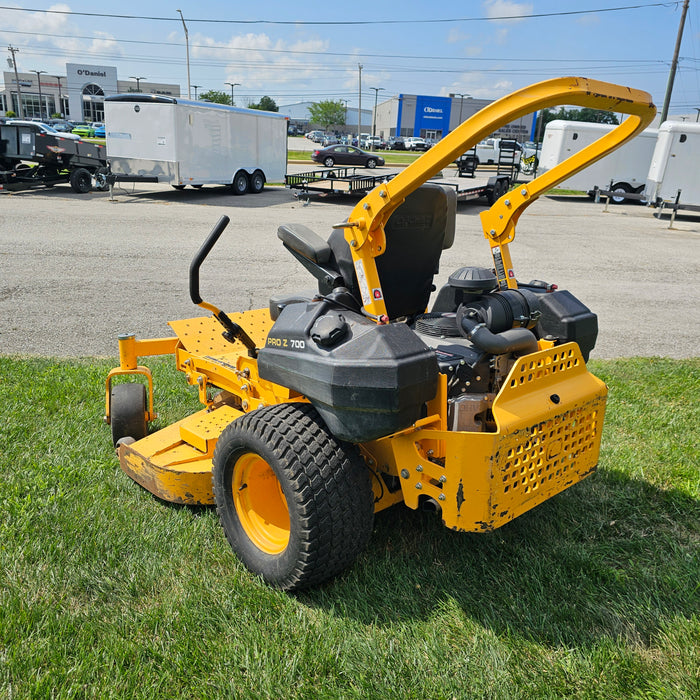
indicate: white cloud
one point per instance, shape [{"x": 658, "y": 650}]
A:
[{"x": 496, "y": 9}]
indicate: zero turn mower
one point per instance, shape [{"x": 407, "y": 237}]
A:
[{"x": 325, "y": 409}]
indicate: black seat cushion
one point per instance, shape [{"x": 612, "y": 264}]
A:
[{"x": 416, "y": 234}]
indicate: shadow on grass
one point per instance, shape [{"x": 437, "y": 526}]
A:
[{"x": 611, "y": 558}]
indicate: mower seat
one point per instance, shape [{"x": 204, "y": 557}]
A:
[{"x": 416, "y": 234}]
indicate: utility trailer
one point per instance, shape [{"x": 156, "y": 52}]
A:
[
  {"x": 349, "y": 181},
  {"x": 621, "y": 173},
  {"x": 335, "y": 181},
  {"x": 153, "y": 138},
  {"x": 672, "y": 181},
  {"x": 57, "y": 160}
]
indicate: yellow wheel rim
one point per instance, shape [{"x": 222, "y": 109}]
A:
[{"x": 260, "y": 504}]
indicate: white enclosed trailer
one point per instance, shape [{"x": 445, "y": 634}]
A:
[
  {"x": 674, "y": 173},
  {"x": 154, "y": 138},
  {"x": 626, "y": 168}
]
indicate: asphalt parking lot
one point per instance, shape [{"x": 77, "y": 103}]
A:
[{"x": 77, "y": 270}]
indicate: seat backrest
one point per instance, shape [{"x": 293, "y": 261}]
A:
[{"x": 416, "y": 234}]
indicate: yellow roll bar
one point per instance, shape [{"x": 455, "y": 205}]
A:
[{"x": 364, "y": 229}]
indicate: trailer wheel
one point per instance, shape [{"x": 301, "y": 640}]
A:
[
  {"x": 329, "y": 162},
  {"x": 240, "y": 182},
  {"x": 127, "y": 411},
  {"x": 623, "y": 188},
  {"x": 257, "y": 182},
  {"x": 295, "y": 504},
  {"x": 80, "y": 180}
]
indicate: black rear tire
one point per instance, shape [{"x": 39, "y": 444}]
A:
[
  {"x": 257, "y": 182},
  {"x": 127, "y": 411},
  {"x": 295, "y": 503},
  {"x": 80, "y": 180}
]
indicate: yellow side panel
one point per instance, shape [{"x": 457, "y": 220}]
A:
[
  {"x": 175, "y": 463},
  {"x": 549, "y": 418}
]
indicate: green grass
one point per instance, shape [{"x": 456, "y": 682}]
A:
[{"x": 106, "y": 592}]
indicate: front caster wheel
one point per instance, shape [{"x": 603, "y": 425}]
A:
[
  {"x": 127, "y": 411},
  {"x": 295, "y": 503}
]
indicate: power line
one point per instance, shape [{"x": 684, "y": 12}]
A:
[{"x": 502, "y": 18}]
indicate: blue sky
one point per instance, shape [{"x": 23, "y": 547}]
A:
[{"x": 281, "y": 49}]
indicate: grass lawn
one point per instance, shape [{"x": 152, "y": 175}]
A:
[{"x": 107, "y": 592}]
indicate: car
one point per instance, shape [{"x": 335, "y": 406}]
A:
[
  {"x": 84, "y": 130},
  {"x": 44, "y": 128},
  {"x": 396, "y": 143},
  {"x": 314, "y": 135},
  {"x": 329, "y": 140},
  {"x": 346, "y": 155},
  {"x": 61, "y": 125},
  {"x": 416, "y": 143},
  {"x": 373, "y": 142},
  {"x": 100, "y": 131}
]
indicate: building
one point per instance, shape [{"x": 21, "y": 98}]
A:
[
  {"x": 433, "y": 117},
  {"x": 299, "y": 118},
  {"x": 78, "y": 95}
]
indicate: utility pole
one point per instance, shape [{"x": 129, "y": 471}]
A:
[
  {"x": 359, "y": 109},
  {"x": 674, "y": 63},
  {"x": 20, "y": 111},
  {"x": 187, "y": 48}
]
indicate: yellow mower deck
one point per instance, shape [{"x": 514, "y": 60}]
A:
[{"x": 545, "y": 423}]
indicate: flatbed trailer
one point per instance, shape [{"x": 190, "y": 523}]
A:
[
  {"x": 349, "y": 181},
  {"x": 30, "y": 158}
]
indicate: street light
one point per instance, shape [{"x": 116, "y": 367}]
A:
[
  {"x": 461, "y": 95},
  {"x": 38, "y": 79},
  {"x": 138, "y": 81},
  {"x": 187, "y": 49},
  {"x": 13, "y": 51},
  {"x": 233, "y": 85},
  {"x": 195, "y": 90},
  {"x": 374, "y": 117},
  {"x": 60, "y": 96}
]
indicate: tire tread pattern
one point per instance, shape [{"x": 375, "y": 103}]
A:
[{"x": 330, "y": 487}]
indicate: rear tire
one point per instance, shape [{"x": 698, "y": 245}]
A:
[
  {"x": 80, "y": 180},
  {"x": 329, "y": 162},
  {"x": 127, "y": 411},
  {"x": 295, "y": 503},
  {"x": 257, "y": 182},
  {"x": 240, "y": 183}
]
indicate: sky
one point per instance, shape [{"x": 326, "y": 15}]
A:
[{"x": 297, "y": 52}]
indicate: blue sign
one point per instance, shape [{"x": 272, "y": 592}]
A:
[{"x": 432, "y": 113}]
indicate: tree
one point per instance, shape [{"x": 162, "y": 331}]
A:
[
  {"x": 596, "y": 116},
  {"x": 327, "y": 113},
  {"x": 218, "y": 96},
  {"x": 266, "y": 103}
]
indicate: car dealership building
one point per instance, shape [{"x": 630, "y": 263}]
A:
[{"x": 78, "y": 95}]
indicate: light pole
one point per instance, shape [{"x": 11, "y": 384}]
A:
[
  {"x": 461, "y": 95},
  {"x": 41, "y": 106},
  {"x": 233, "y": 85},
  {"x": 195, "y": 90},
  {"x": 697, "y": 116},
  {"x": 187, "y": 49},
  {"x": 374, "y": 115},
  {"x": 138, "y": 81},
  {"x": 359, "y": 108},
  {"x": 20, "y": 111},
  {"x": 60, "y": 96}
]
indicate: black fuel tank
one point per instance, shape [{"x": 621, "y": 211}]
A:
[{"x": 366, "y": 380}]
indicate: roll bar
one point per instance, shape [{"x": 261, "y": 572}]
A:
[{"x": 364, "y": 229}]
